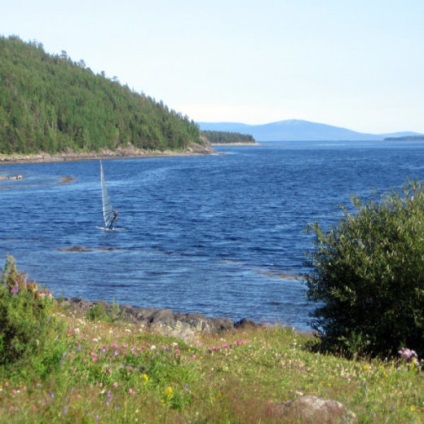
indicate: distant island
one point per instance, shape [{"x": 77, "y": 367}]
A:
[
  {"x": 297, "y": 130},
  {"x": 406, "y": 138},
  {"x": 228, "y": 137},
  {"x": 50, "y": 104}
]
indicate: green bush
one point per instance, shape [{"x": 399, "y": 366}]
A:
[
  {"x": 368, "y": 276},
  {"x": 24, "y": 315}
]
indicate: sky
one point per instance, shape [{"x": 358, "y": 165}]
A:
[{"x": 357, "y": 64}]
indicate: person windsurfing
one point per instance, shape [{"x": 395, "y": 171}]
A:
[{"x": 114, "y": 219}]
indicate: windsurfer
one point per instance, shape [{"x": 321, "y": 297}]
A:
[{"x": 114, "y": 219}]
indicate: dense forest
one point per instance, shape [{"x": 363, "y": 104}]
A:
[
  {"x": 50, "y": 103},
  {"x": 222, "y": 137}
]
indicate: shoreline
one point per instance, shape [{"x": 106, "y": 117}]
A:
[
  {"x": 242, "y": 143},
  {"x": 182, "y": 325},
  {"x": 104, "y": 154}
]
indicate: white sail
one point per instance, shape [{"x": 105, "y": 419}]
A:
[{"x": 106, "y": 203}]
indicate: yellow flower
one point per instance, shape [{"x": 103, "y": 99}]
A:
[
  {"x": 168, "y": 392},
  {"x": 145, "y": 377}
]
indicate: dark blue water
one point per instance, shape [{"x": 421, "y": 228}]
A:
[{"x": 218, "y": 234}]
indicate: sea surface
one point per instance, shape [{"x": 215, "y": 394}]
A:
[{"x": 222, "y": 235}]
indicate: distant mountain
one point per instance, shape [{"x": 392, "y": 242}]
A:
[{"x": 296, "y": 130}]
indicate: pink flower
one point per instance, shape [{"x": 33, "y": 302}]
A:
[
  {"x": 115, "y": 384},
  {"x": 407, "y": 354},
  {"x": 132, "y": 392},
  {"x": 241, "y": 342}
]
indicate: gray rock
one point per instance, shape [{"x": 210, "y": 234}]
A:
[
  {"x": 165, "y": 321},
  {"x": 312, "y": 409}
]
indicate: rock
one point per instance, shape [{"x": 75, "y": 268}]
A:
[
  {"x": 75, "y": 249},
  {"x": 245, "y": 322},
  {"x": 312, "y": 409},
  {"x": 165, "y": 321}
]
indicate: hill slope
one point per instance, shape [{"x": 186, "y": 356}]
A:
[
  {"x": 52, "y": 104},
  {"x": 294, "y": 130}
]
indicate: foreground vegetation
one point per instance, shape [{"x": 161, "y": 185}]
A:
[
  {"x": 368, "y": 275},
  {"x": 52, "y": 104},
  {"x": 90, "y": 370}
]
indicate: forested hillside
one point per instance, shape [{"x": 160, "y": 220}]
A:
[
  {"x": 223, "y": 137},
  {"x": 50, "y": 103}
]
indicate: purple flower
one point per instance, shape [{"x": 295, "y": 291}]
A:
[
  {"x": 15, "y": 288},
  {"x": 408, "y": 354},
  {"x": 109, "y": 397}
]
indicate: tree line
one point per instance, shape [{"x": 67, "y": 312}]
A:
[
  {"x": 222, "y": 137},
  {"x": 50, "y": 103}
]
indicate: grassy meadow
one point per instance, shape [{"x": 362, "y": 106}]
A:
[{"x": 104, "y": 371}]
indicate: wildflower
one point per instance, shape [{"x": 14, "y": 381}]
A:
[
  {"x": 169, "y": 392},
  {"x": 108, "y": 397},
  {"x": 145, "y": 377},
  {"x": 115, "y": 384},
  {"x": 409, "y": 356},
  {"x": 15, "y": 289},
  {"x": 152, "y": 347},
  {"x": 241, "y": 342},
  {"x": 132, "y": 392}
]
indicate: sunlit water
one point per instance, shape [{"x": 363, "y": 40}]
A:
[{"x": 221, "y": 235}]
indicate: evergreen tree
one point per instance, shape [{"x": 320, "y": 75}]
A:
[{"x": 50, "y": 103}]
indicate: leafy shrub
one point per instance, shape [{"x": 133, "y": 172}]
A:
[
  {"x": 97, "y": 313},
  {"x": 24, "y": 314},
  {"x": 368, "y": 275},
  {"x": 101, "y": 311}
]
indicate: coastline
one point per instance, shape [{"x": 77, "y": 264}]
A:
[
  {"x": 104, "y": 154},
  {"x": 180, "y": 325},
  {"x": 242, "y": 143}
]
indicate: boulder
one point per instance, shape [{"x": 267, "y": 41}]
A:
[{"x": 312, "y": 409}]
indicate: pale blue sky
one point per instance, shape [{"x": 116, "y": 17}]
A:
[{"x": 358, "y": 64}]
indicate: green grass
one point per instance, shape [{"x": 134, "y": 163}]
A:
[{"x": 99, "y": 371}]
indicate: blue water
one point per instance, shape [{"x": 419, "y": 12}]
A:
[{"x": 221, "y": 235}]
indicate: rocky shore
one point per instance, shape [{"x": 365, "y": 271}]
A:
[
  {"x": 180, "y": 325},
  {"x": 122, "y": 152}
]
